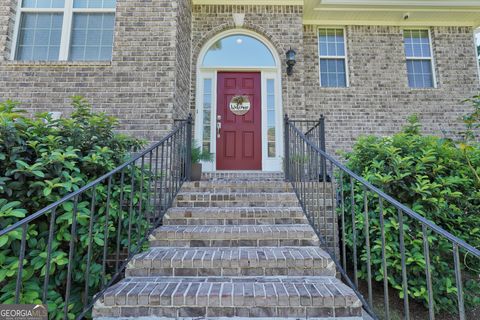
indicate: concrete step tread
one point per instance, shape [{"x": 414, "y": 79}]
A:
[
  {"x": 231, "y": 291},
  {"x": 232, "y": 261}
]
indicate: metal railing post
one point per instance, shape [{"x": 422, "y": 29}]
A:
[
  {"x": 188, "y": 160},
  {"x": 287, "y": 148},
  {"x": 321, "y": 145}
]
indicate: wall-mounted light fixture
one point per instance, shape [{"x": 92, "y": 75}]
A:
[{"x": 291, "y": 61}]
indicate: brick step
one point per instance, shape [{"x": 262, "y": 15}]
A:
[
  {"x": 234, "y": 236},
  {"x": 205, "y": 199},
  {"x": 254, "y": 297},
  {"x": 234, "y": 216},
  {"x": 246, "y": 261},
  {"x": 224, "y": 186},
  {"x": 243, "y": 176}
]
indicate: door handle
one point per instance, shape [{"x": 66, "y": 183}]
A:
[{"x": 219, "y": 127}]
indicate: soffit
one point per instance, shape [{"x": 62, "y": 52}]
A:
[{"x": 377, "y": 12}]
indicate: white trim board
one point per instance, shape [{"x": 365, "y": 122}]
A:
[
  {"x": 250, "y": 2},
  {"x": 414, "y": 3},
  {"x": 388, "y": 3}
]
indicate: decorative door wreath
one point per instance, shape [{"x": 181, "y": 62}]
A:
[{"x": 240, "y": 105}]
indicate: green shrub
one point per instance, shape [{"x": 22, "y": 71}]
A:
[
  {"x": 435, "y": 177},
  {"x": 200, "y": 154},
  {"x": 43, "y": 160}
]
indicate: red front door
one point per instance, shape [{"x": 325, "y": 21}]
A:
[{"x": 239, "y": 142}]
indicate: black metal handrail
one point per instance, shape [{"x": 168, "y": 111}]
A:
[
  {"x": 138, "y": 193},
  {"x": 319, "y": 179}
]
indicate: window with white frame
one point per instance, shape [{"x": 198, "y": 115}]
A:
[
  {"x": 77, "y": 30},
  {"x": 271, "y": 119},
  {"x": 207, "y": 114},
  {"x": 418, "y": 52},
  {"x": 333, "y": 53}
]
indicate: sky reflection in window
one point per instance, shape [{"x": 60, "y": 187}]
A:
[{"x": 238, "y": 51}]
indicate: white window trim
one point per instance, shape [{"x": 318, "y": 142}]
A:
[
  {"x": 271, "y": 77},
  {"x": 68, "y": 12},
  {"x": 431, "y": 58},
  {"x": 344, "y": 57}
]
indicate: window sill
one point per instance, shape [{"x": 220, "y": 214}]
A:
[
  {"x": 334, "y": 88},
  {"x": 58, "y": 63},
  {"x": 423, "y": 89}
]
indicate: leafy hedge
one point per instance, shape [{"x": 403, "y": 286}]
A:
[
  {"x": 439, "y": 179},
  {"x": 41, "y": 161}
]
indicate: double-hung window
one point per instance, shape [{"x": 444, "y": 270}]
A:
[
  {"x": 333, "y": 62},
  {"x": 419, "y": 56},
  {"x": 77, "y": 30}
]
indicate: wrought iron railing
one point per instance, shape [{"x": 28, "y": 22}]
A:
[
  {"x": 314, "y": 130},
  {"x": 345, "y": 228},
  {"x": 110, "y": 220}
]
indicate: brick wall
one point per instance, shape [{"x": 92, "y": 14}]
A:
[
  {"x": 281, "y": 25},
  {"x": 138, "y": 86},
  {"x": 379, "y": 99},
  {"x": 183, "y": 44},
  {"x": 8, "y": 11},
  {"x": 156, "y": 48}
]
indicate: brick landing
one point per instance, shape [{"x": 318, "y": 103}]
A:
[{"x": 235, "y": 245}]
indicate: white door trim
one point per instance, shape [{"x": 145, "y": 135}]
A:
[{"x": 268, "y": 164}]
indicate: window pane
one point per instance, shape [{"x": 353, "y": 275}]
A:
[
  {"x": 271, "y": 147},
  {"x": 238, "y": 51},
  {"x": 206, "y": 147},
  {"x": 43, "y": 4},
  {"x": 332, "y": 42},
  {"x": 39, "y": 36},
  {"x": 417, "y": 44},
  {"x": 94, "y": 3},
  {"x": 333, "y": 73},
  {"x": 271, "y": 86},
  {"x": 420, "y": 73},
  {"x": 271, "y": 118},
  {"x": 92, "y": 36},
  {"x": 270, "y": 102},
  {"x": 207, "y": 113}
]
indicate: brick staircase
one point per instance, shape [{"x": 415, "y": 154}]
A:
[{"x": 233, "y": 245}]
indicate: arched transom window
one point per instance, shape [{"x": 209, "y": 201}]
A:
[{"x": 238, "y": 51}]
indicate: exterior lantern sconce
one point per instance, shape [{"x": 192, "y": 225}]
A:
[{"x": 291, "y": 61}]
